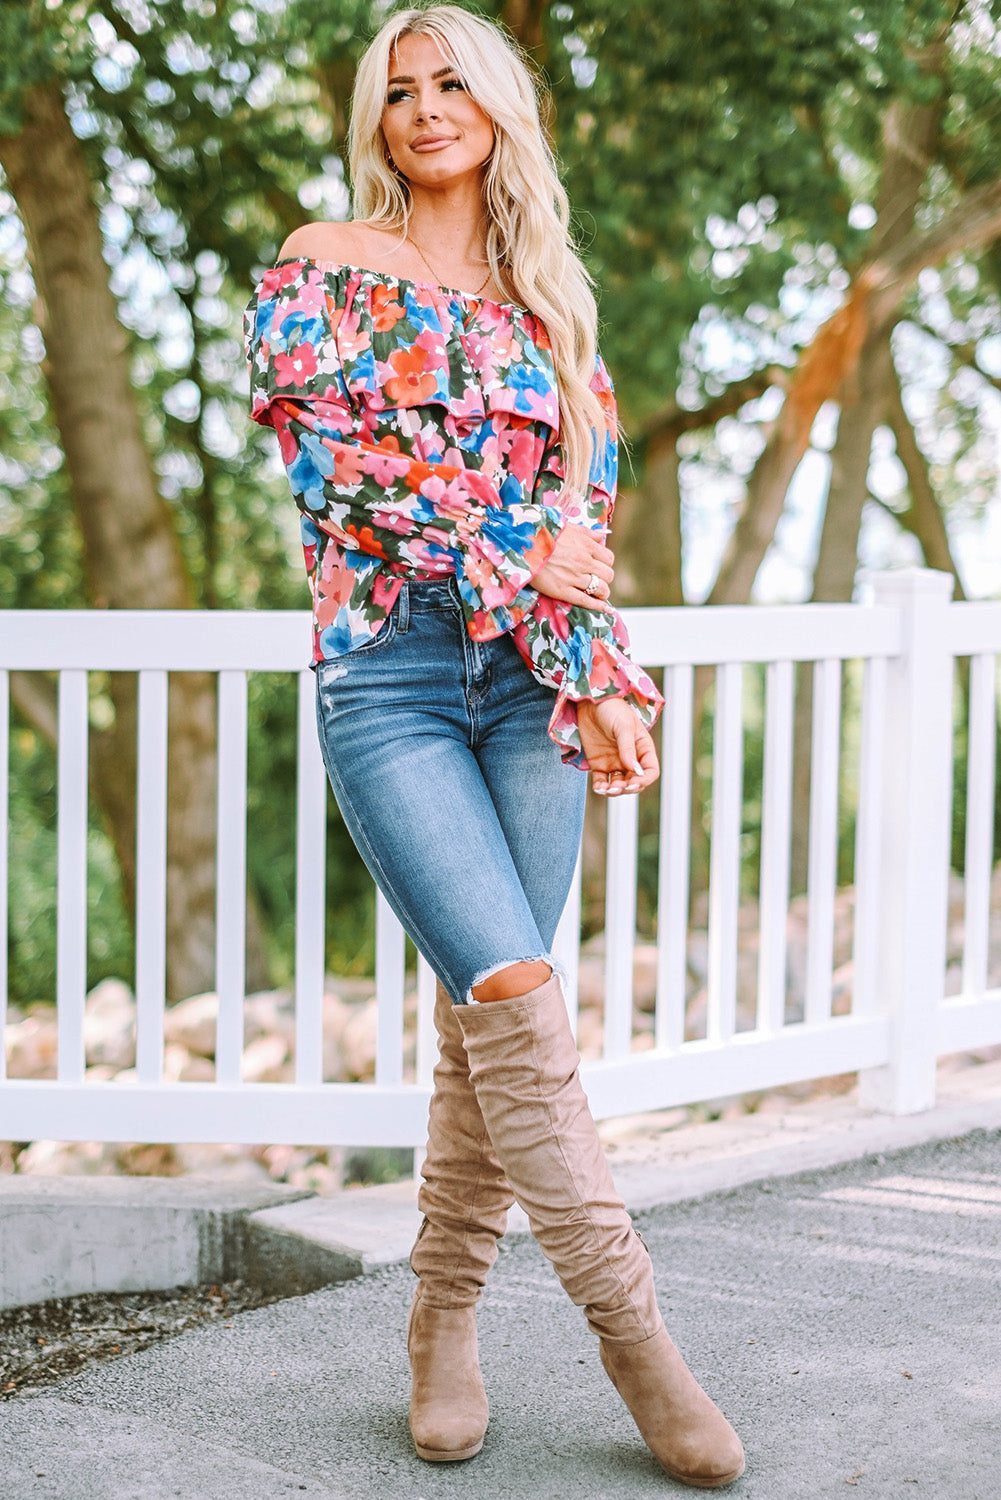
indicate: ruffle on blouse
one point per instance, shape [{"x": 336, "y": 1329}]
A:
[{"x": 316, "y": 330}]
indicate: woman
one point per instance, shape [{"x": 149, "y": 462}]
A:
[{"x": 453, "y": 456}]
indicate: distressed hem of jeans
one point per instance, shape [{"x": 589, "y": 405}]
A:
[{"x": 558, "y": 968}]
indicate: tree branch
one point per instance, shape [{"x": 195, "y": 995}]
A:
[
  {"x": 973, "y": 223},
  {"x": 666, "y": 426}
]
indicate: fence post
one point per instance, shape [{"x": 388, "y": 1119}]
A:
[{"x": 914, "y": 863}]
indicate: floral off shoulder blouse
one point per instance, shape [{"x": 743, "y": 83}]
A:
[{"x": 419, "y": 428}]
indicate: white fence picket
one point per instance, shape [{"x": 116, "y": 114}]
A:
[
  {"x": 4, "y": 871},
  {"x": 620, "y": 923},
  {"x": 71, "y": 897},
  {"x": 868, "y": 840},
  {"x": 979, "y": 821},
  {"x": 310, "y": 883},
  {"x": 151, "y": 875},
  {"x": 231, "y": 874},
  {"x": 674, "y": 855},
  {"x": 823, "y": 847},
  {"x": 724, "y": 853},
  {"x": 776, "y": 822}
]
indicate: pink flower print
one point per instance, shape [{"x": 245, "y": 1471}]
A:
[
  {"x": 450, "y": 499},
  {"x": 332, "y": 413},
  {"x": 288, "y": 443},
  {"x": 391, "y": 520},
  {"x": 309, "y": 299},
  {"x": 335, "y": 582},
  {"x": 295, "y": 368},
  {"x": 523, "y": 455},
  {"x": 387, "y": 463},
  {"x": 352, "y": 340},
  {"x": 384, "y": 590},
  {"x": 468, "y": 406}
]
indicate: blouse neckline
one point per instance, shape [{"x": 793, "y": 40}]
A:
[{"x": 432, "y": 286}]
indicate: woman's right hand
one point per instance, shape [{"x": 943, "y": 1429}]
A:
[{"x": 577, "y": 554}]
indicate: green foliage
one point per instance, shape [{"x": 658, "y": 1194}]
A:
[{"x": 705, "y": 144}]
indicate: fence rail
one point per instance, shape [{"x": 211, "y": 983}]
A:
[{"x": 903, "y": 647}]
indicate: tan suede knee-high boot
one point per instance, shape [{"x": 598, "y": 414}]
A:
[
  {"x": 523, "y": 1064},
  {"x": 464, "y": 1198}
]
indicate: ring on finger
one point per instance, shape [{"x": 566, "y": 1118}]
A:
[{"x": 595, "y": 587}]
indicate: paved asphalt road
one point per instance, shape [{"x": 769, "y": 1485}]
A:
[{"x": 848, "y": 1321}]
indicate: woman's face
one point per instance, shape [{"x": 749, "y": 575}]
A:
[{"x": 436, "y": 134}]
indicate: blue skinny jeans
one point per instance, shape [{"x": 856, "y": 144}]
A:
[{"x": 455, "y": 796}]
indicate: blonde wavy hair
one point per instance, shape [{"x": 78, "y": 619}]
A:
[{"x": 532, "y": 255}]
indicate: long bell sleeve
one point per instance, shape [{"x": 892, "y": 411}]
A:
[{"x": 583, "y": 654}]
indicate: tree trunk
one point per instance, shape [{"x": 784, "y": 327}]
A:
[
  {"x": 646, "y": 536},
  {"x": 923, "y": 517},
  {"x": 131, "y": 552},
  {"x": 526, "y": 20}
]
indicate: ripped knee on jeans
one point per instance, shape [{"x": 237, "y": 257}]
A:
[{"x": 506, "y": 981}]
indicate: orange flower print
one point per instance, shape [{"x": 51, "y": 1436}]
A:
[
  {"x": 349, "y": 465},
  {"x": 603, "y": 666},
  {"x": 366, "y": 540},
  {"x": 480, "y": 572},
  {"x": 386, "y": 308},
  {"x": 412, "y": 384}
]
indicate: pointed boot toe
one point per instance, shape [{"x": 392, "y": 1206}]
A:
[
  {"x": 448, "y": 1405},
  {"x": 684, "y": 1429}
]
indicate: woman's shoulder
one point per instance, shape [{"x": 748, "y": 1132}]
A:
[{"x": 351, "y": 242}]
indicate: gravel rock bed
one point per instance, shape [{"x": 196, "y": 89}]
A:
[{"x": 42, "y": 1343}]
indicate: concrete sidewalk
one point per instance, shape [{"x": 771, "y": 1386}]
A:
[{"x": 848, "y": 1320}]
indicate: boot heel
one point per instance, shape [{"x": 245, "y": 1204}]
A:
[{"x": 448, "y": 1407}]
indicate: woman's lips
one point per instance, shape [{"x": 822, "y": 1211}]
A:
[{"x": 436, "y": 145}]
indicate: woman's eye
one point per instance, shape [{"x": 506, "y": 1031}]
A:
[
  {"x": 395, "y": 95},
  {"x": 453, "y": 83}
]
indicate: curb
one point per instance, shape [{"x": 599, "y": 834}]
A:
[
  {"x": 63, "y": 1236},
  {"x": 60, "y": 1236}
]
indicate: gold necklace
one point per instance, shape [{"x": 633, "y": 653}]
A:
[{"x": 435, "y": 274}]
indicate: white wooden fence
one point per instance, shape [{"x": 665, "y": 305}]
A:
[{"x": 906, "y": 643}]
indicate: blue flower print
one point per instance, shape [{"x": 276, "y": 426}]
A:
[
  {"x": 523, "y": 378},
  {"x": 297, "y": 328},
  {"x": 306, "y": 475},
  {"x": 336, "y": 639},
  {"x": 578, "y": 652}
]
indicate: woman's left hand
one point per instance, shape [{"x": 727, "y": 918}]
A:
[{"x": 619, "y": 749}]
